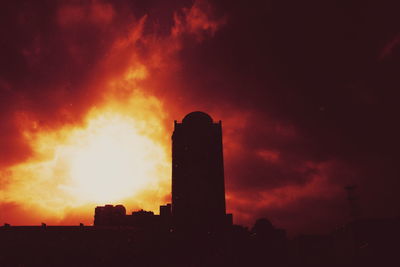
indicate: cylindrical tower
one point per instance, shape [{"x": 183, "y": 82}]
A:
[{"x": 198, "y": 191}]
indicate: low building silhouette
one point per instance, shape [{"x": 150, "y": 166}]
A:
[
  {"x": 115, "y": 216},
  {"x": 110, "y": 215}
]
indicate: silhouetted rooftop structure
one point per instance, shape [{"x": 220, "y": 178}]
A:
[
  {"x": 197, "y": 118},
  {"x": 198, "y": 193}
]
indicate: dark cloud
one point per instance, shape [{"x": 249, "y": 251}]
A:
[{"x": 314, "y": 67}]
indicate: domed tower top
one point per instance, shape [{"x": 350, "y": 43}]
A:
[
  {"x": 198, "y": 187},
  {"x": 197, "y": 117}
]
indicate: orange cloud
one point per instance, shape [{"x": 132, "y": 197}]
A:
[
  {"x": 96, "y": 12},
  {"x": 199, "y": 20},
  {"x": 105, "y": 140}
]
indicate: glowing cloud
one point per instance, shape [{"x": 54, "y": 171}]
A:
[{"x": 119, "y": 152}]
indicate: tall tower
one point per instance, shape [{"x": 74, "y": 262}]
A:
[{"x": 198, "y": 190}]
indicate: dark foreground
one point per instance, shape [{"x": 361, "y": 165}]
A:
[{"x": 356, "y": 244}]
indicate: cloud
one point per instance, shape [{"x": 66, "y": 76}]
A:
[{"x": 96, "y": 12}]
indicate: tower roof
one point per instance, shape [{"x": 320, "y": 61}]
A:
[{"x": 197, "y": 117}]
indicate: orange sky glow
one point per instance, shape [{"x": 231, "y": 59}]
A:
[
  {"x": 90, "y": 91},
  {"x": 119, "y": 151}
]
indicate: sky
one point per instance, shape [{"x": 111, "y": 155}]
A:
[{"x": 307, "y": 93}]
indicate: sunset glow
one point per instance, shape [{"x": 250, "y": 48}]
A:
[
  {"x": 109, "y": 141},
  {"x": 90, "y": 90},
  {"x": 112, "y": 161},
  {"x": 118, "y": 152}
]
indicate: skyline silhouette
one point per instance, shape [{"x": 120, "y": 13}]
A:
[
  {"x": 306, "y": 91},
  {"x": 195, "y": 229},
  {"x": 198, "y": 190},
  {"x": 304, "y": 94}
]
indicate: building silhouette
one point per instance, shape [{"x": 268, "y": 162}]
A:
[
  {"x": 198, "y": 191},
  {"x": 143, "y": 238},
  {"x": 111, "y": 216}
]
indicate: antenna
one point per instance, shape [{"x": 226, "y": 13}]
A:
[{"x": 352, "y": 198}]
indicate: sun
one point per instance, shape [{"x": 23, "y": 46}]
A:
[
  {"x": 111, "y": 160},
  {"x": 118, "y": 154}
]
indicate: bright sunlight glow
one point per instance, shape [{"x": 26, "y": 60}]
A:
[
  {"x": 117, "y": 155},
  {"x": 112, "y": 161}
]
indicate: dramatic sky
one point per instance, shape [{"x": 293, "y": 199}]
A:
[{"x": 307, "y": 92}]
